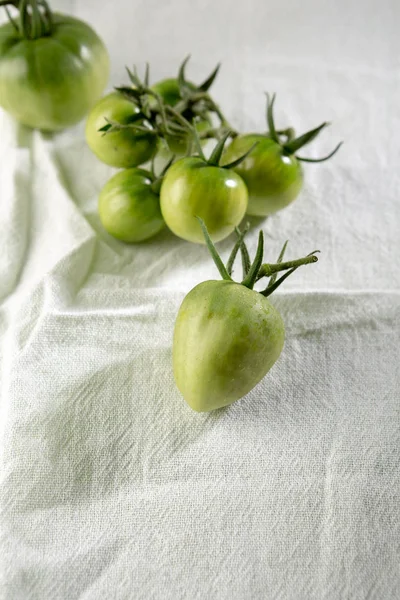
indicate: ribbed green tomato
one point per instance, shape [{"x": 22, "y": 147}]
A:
[
  {"x": 226, "y": 338},
  {"x": 192, "y": 188},
  {"x": 169, "y": 91},
  {"x": 129, "y": 208},
  {"x": 273, "y": 179},
  {"x": 51, "y": 82},
  {"x": 124, "y": 148}
]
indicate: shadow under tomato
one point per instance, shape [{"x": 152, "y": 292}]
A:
[{"x": 255, "y": 222}]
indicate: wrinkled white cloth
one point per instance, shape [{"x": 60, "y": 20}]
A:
[{"x": 111, "y": 486}]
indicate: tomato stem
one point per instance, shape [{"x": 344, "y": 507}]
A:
[
  {"x": 157, "y": 180},
  {"x": 197, "y": 143},
  {"x": 267, "y": 269},
  {"x": 252, "y": 273},
  {"x": 213, "y": 133},
  {"x": 180, "y": 120},
  {"x": 273, "y": 284},
  {"x": 224, "y": 122},
  {"x": 156, "y": 118}
]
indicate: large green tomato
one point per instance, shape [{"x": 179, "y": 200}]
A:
[
  {"x": 192, "y": 188},
  {"x": 226, "y": 338},
  {"x": 129, "y": 208},
  {"x": 169, "y": 91},
  {"x": 124, "y": 148},
  {"x": 274, "y": 179},
  {"x": 51, "y": 82}
]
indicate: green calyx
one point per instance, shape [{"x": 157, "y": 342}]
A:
[
  {"x": 196, "y": 101},
  {"x": 152, "y": 115},
  {"x": 256, "y": 270},
  {"x": 35, "y": 19},
  {"x": 217, "y": 152},
  {"x": 292, "y": 144},
  {"x": 187, "y": 89},
  {"x": 157, "y": 116}
]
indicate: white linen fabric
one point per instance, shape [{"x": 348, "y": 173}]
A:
[{"x": 111, "y": 486}]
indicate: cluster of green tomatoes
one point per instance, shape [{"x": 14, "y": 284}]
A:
[
  {"x": 53, "y": 69},
  {"x": 254, "y": 173}
]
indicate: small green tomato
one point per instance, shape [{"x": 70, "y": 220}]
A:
[
  {"x": 169, "y": 91},
  {"x": 123, "y": 148},
  {"x": 129, "y": 206},
  {"x": 195, "y": 187},
  {"x": 272, "y": 171},
  {"x": 183, "y": 95},
  {"x": 228, "y": 336}
]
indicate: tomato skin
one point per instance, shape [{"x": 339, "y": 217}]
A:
[
  {"x": 226, "y": 339},
  {"x": 129, "y": 209},
  {"x": 122, "y": 149},
  {"x": 193, "y": 188},
  {"x": 169, "y": 90},
  {"x": 273, "y": 179},
  {"x": 52, "y": 82}
]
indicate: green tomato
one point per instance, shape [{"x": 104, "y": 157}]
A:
[
  {"x": 129, "y": 208},
  {"x": 192, "y": 188},
  {"x": 169, "y": 91},
  {"x": 226, "y": 338},
  {"x": 124, "y": 148},
  {"x": 274, "y": 179},
  {"x": 51, "y": 82}
]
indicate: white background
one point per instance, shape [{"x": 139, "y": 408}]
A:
[{"x": 111, "y": 486}]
